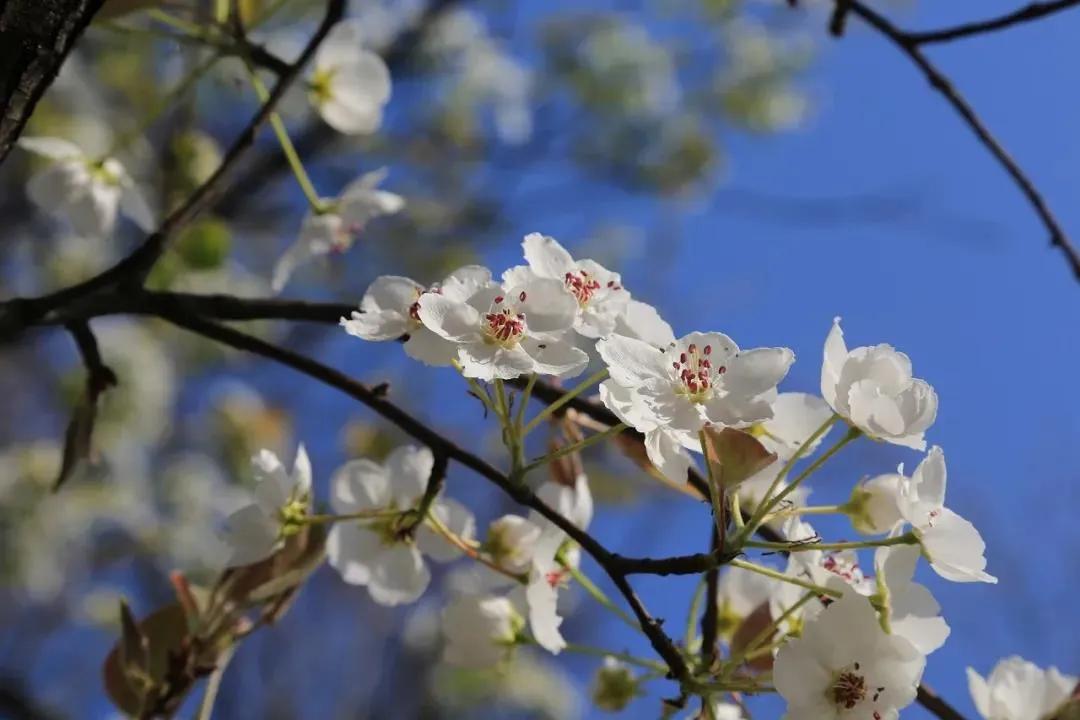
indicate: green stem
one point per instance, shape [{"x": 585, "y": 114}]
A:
[
  {"x": 736, "y": 511},
  {"x": 851, "y": 434},
  {"x": 810, "y": 510},
  {"x": 598, "y": 595},
  {"x": 362, "y": 515},
  {"x": 908, "y": 538},
  {"x": 213, "y": 684},
  {"x": 690, "y": 639},
  {"x": 567, "y": 397},
  {"x": 738, "y": 658},
  {"x": 716, "y": 495},
  {"x": 761, "y": 510},
  {"x": 783, "y": 577},
  {"x": 625, "y": 657},
  {"x": 576, "y": 447},
  {"x": 524, "y": 401},
  {"x": 287, "y": 147}
]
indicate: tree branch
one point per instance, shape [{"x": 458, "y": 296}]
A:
[
  {"x": 1026, "y": 14},
  {"x": 35, "y": 38},
  {"x": 909, "y": 44}
]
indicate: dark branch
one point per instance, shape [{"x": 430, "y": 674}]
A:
[
  {"x": 78, "y": 438},
  {"x": 1026, "y": 14},
  {"x": 710, "y": 616},
  {"x": 909, "y": 45},
  {"x": 35, "y": 38},
  {"x": 132, "y": 269}
]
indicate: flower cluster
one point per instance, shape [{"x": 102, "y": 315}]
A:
[{"x": 839, "y": 637}]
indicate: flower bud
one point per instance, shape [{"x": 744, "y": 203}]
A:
[
  {"x": 615, "y": 685},
  {"x": 872, "y": 506}
]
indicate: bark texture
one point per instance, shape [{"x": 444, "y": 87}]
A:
[{"x": 35, "y": 37}]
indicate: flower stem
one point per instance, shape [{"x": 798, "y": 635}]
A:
[
  {"x": 598, "y": 595},
  {"x": 811, "y": 510},
  {"x": 287, "y": 147},
  {"x": 762, "y": 509},
  {"x": 213, "y": 684},
  {"x": 690, "y": 639},
  {"x": 762, "y": 637},
  {"x": 783, "y": 577},
  {"x": 625, "y": 657},
  {"x": 362, "y": 515},
  {"x": 851, "y": 434},
  {"x": 716, "y": 496},
  {"x": 576, "y": 447},
  {"x": 567, "y": 397},
  {"x": 469, "y": 549},
  {"x": 908, "y": 538}
]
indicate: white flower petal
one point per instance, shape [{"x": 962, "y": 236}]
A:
[
  {"x": 398, "y": 576},
  {"x": 547, "y": 257},
  {"x": 454, "y": 320}
]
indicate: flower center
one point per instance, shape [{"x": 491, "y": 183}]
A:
[
  {"x": 319, "y": 86},
  {"x": 582, "y": 285},
  {"x": 696, "y": 375},
  {"x": 292, "y": 515},
  {"x": 844, "y": 567},
  {"x": 849, "y": 689},
  {"x": 503, "y": 326}
]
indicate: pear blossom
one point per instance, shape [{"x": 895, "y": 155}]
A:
[
  {"x": 511, "y": 542},
  {"x": 642, "y": 321},
  {"x": 374, "y": 552},
  {"x": 1020, "y": 690},
  {"x": 838, "y": 570},
  {"x": 872, "y": 388},
  {"x": 670, "y": 394},
  {"x": 480, "y": 631},
  {"x": 282, "y": 499},
  {"x": 502, "y": 333},
  {"x": 574, "y": 502},
  {"x": 390, "y": 309},
  {"x": 796, "y": 416},
  {"x": 333, "y": 228},
  {"x": 546, "y": 577},
  {"x": 599, "y": 293},
  {"x": 845, "y": 666},
  {"x": 873, "y": 507},
  {"x": 911, "y": 611},
  {"x": 952, "y": 544},
  {"x": 88, "y": 192},
  {"x": 349, "y": 86}
]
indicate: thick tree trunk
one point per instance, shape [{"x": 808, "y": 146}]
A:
[{"x": 35, "y": 37}]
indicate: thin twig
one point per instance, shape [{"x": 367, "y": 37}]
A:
[
  {"x": 1026, "y": 14},
  {"x": 909, "y": 44}
]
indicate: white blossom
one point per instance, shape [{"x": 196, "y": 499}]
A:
[
  {"x": 88, "y": 192},
  {"x": 952, "y": 544},
  {"x": 670, "y": 394},
  {"x": 507, "y": 332},
  {"x": 375, "y": 553},
  {"x": 911, "y": 610},
  {"x": 873, "y": 389},
  {"x": 349, "y": 86},
  {"x": 546, "y": 577},
  {"x": 643, "y": 322},
  {"x": 1020, "y": 690},
  {"x": 575, "y": 502},
  {"x": 845, "y": 666},
  {"x": 333, "y": 228},
  {"x": 479, "y": 630},
  {"x": 874, "y": 504},
  {"x": 599, "y": 293},
  {"x": 390, "y": 309},
  {"x": 511, "y": 542},
  {"x": 282, "y": 499}
]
